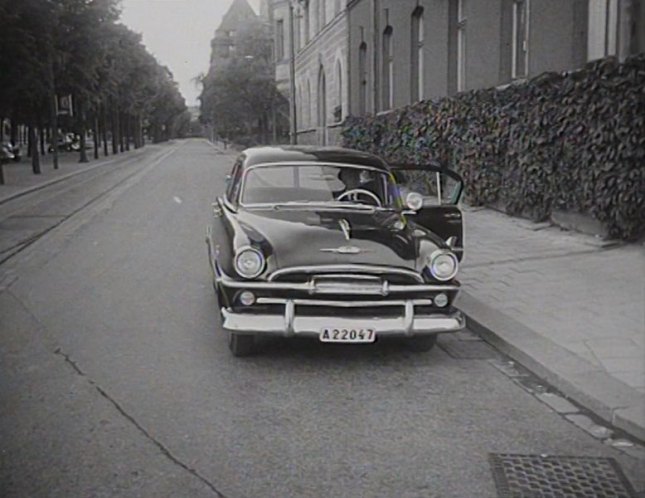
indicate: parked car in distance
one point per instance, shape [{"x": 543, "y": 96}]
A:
[
  {"x": 67, "y": 142},
  {"x": 11, "y": 152},
  {"x": 320, "y": 242}
]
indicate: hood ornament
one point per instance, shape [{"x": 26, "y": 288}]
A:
[
  {"x": 344, "y": 226},
  {"x": 344, "y": 250}
]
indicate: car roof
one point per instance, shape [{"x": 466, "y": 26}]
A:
[{"x": 295, "y": 153}]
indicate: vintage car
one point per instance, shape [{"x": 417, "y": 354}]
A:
[{"x": 325, "y": 242}]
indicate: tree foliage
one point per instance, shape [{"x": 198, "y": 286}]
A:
[
  {"x": 572, "y": 142},
  {"x": 54, "y": 48},
  {"x": 240, "y": 99}
]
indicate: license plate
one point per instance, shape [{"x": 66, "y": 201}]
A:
[{"x": 347, "y": 335}]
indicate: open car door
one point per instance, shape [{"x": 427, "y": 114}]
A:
[{"x": 440, "y": 189}]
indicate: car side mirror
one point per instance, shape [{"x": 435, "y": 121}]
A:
[
  {"x": 414, "y": 201},
  {"x": 227, "y": 179}
]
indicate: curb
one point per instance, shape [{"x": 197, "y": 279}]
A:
[
  {"x": 58, "y": 179},
  {"x": 589, "y": 385}
]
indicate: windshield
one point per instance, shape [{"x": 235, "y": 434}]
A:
[{"x": 319, "y": 183}]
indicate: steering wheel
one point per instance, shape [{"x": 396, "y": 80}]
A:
[{"x": 354, "y": 193}]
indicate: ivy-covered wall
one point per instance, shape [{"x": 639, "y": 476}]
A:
[{"x": 573, "y": 142}]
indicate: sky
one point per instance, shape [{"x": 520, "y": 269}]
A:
[{"x": 178, "y": 33}]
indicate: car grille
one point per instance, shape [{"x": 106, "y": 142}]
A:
[
  {"x": 350, "y": 277},
  {"x": 355, "y": 312}
]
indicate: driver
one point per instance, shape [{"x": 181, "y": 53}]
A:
[{"x": 355, "y": 178}]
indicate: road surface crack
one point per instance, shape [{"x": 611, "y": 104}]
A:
[{"x": 164, "y": 450}]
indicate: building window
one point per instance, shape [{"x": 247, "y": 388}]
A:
[
  {"x": 603, "y": 29},
  {"x": 520, "y": 40},
  {"x": 338, "y": 110},
  {"x": 362, "y": 79},
  {"x": 307, "y": 118},
  {"x": 388, "y": 69},
  {"x": 322, "y": 16},
  {"x": 305, "y": 18},
  {"x": 279, "y": 40},
  {"x": 322, "y": 107},
  {"x": 416, "y": 68},
  {"x": 461, "y": 47},
  {"x": 299, "y": 104}
]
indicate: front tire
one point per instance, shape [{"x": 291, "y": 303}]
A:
[
  {"x": 241, "y": 344},
  {"x": 422, "y": 343}
]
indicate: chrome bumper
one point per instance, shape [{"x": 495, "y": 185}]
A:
[{"x": 290, "y": 324}]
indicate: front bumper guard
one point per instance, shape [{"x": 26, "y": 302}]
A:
[{"x": 290, "y": 324}]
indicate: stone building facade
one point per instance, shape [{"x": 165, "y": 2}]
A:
[
  {"x": 319, "y": 61},
  {"x": 370, "y": 56},
  {"x": 403, "y": 51}
]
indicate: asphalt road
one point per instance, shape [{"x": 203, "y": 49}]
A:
[{"x": 116, "y": 380}]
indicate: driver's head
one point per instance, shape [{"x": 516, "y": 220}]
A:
[
  {"x": 355, "y": 177},
  {"x": 350, "y": 177}
]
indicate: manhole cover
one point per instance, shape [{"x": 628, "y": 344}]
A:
[{"x": 536, "y": 476}]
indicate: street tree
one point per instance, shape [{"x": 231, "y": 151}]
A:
[
  {"x": 54, "y": 48},
  {"x": 239, "y": 98}
]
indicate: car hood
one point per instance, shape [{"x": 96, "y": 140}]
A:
[{"x": 296, "y": 237}]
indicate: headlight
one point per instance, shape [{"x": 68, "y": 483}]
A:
[
  {"x": 249, "y": 262},
  {"x": 443, "y": 265}
]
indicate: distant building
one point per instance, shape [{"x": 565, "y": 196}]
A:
[
  {"x": 320, "y": 60},
  {"x": 403, "y": 51},
  {"x": 231, "y": 36}
]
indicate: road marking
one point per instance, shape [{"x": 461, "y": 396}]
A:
[{"x": 177, "y": 200}]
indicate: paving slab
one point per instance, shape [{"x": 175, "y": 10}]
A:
[{"x": 566, "y": 307}]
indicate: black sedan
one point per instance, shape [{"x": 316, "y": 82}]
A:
[{"x": 337, "y": 245}]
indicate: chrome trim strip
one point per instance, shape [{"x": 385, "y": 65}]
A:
[
  {"x": 377, "y": 269},
  {"x": 310, "y": 288},
  {"x": 347, "y": 276},
  {"x": 342, "y": 304}
]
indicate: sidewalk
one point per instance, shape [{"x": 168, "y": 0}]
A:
[
  {"x": 566, "y": 305},
  {"x": 20, "y": 179}
]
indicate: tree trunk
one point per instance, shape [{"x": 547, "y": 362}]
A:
[
  {"x": 95, "y": 133},
  {"x": 122, "y": 129},
  {"x": 33, "y": 147},
  {"x": 41, "y": 130},
  {"x": 138, "y": 132},
  {"x": 104, "y": 130},
  {"x": 115, "y": 131},
  {"x": 81, "y": 129},
  {"x": 128, "y": 132},
  {"x": 14, "y": 132},
  {"x": 53, "y": 139}
]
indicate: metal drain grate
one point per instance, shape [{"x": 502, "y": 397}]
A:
[{"x": 536, "y": 476}]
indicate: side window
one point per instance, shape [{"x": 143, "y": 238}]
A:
[
  {"x": 233, "y": 186},
  {"x": 436, "y": 187}
]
